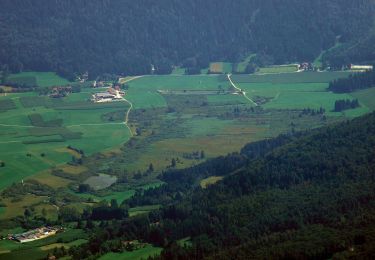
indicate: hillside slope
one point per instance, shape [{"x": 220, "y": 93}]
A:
[
  {"x": 128, "y": 36},
  {"x": 312, "y": 197},
  {"x": 306, "y": 196}
]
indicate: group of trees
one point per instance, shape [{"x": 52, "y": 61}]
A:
[
  {"x": 127, "y": 37},
  {"x": 103, "y": 211},
  {"x": 354, "y": 82},
  {"x": 344, "y": 104}
]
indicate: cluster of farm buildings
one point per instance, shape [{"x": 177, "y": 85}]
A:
[
  {"x": 35, "y": 234},
  {"x": 361, "y": 68},
  {"x": 306, "y": 66},
  {"x": 112, "y": 94}
]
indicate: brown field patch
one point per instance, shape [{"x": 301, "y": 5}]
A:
[
  {"x": 210, "y": 181},
  {"x": 216, "y": 67},
  {"x": 69, "y": 151},
  {"x": 75, "y": 170},
  {"x": 17, "y": 208},
  {"x": 45, "y": 177},
  {"x": 230, "y": 140}
]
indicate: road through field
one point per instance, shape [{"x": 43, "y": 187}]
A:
[
  {"x": 124, "y": 80},
  {"x": 240, "y": 90},
  {"x": 127, "y": 115}
]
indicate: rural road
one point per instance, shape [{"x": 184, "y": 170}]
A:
[
  {"x": 240, "y": 90},
  {"x": 124, "y": 80},
  {"x": 127, "y": 115}
]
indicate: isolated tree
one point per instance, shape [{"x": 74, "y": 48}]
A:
[
  {"x": 82, "y": 188},
  {"x": 151, "y": 167},
  {"x": 44, "y": 212},
  {"x": 173, "y": 162},
  {"x": 138, "y": 175},
  {"x": 89, "y": 224},
  {"x": 79, "y": 224},
  {"x": 27, "y": 213},
  {"x": 114, "y": 203},
  {"x": 202, "y": 155}
]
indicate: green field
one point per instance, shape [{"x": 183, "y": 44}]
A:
[
  {"x": 41, "y": 79},
  {"x": 289, "y": 78},
  {"x": 278, "y": 69},
  {"x": 142, "y": 210},
  {"x": 303, "y": 90},
  {"x": 143, "y": 91},
  {"x": 39, "y": 125},
  {"x": 366, "y": 97},
  {"x": 142, "y": 253}
]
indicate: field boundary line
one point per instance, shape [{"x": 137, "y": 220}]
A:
[
  {"x": 240, "y": 90},
  {"x": 98, "y": 124},
  {"x": 10, "y": 142},
  {"x": 25, "y": 126}
]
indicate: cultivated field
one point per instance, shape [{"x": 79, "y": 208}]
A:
[{"x": 35, "y": 131}]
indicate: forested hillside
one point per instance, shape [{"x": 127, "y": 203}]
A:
[
  {"x": 304, "y": 196},
  {"x": 359, "y": 50},
  {"x": 128, "y": 37}
]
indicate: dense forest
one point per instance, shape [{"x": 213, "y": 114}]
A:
[
  {"x": 131, "y": 37},
  {"x": 359, "y": 50},
  {"x": 353, "y": 82},
  {"x": 303, "y": 196}
]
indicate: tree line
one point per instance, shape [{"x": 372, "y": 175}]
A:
[
  {"x": 354, "y": 82},
  {"x": 344, "y": 104}
]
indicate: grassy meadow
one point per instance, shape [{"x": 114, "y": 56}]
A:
[
  {"x": 35, "y": 132},
  {"x": 279, "y": 69},
  {"x": 40, "y": 79},
  {"x": 139, "y": 254}
]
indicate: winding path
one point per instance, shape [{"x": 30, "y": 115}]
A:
[
  {"x": 240, "y": 90},
  {"x": 127, "y": 115}
]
